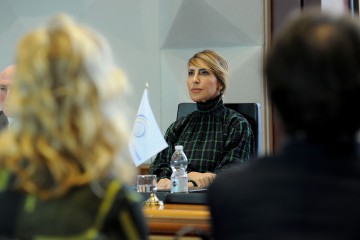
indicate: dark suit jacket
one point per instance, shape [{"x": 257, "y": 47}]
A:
[
  {"x": 3, "y": 121},
  {"x": 308, "y": 191}
]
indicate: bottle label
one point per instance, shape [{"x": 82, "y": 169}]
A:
[{"x": 179, "y": 185}]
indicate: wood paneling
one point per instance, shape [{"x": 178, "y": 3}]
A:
[{"x": 172, "y": 218}]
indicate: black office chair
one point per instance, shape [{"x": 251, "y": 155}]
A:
[{"x": 251, "y": 111}]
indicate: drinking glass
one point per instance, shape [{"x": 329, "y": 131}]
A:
[{"x": 146, "y": 183}]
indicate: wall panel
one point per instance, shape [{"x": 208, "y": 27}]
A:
[{"x": 152, "y": 41}]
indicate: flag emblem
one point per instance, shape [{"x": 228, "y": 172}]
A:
[{"x": 140, "y": 126}]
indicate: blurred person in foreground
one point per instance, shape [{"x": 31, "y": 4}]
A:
[
  {"x": 214, "y": 137},
  {"x": 61, "y": 165},
  {"x": 6, "y": 78},
  {"x": 311, "y": 188}
]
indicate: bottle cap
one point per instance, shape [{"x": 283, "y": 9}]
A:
[{"x": 178, "y": 147}]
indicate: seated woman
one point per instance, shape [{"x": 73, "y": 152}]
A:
[
  {"x": 61, "y": 162},
  {"x": 214, "y": 137}
]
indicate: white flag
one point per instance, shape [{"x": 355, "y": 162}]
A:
[{"x": 146, "y": 139}]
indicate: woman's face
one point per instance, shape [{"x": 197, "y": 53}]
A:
[{"x": 202, "y": 83}]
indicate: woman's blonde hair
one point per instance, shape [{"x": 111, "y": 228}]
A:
[
  {"x": 215, "y": 62},
  {"x": 68, "y": 104}
]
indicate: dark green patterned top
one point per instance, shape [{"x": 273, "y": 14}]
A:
[{"x": 214, "y": 138}]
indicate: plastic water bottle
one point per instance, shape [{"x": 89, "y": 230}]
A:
[{"x": 179, "y": 178}]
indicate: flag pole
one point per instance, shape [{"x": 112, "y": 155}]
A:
[{"x": 147, "y": 88}]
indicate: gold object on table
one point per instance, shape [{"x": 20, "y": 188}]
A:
[{"x": 153, "y": 202}]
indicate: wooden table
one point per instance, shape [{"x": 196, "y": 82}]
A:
[{"x": 172, "y": 218}]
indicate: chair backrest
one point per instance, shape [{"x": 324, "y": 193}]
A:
[{"x": 251, "y": 111}]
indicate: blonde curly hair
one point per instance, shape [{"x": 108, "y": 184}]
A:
[{"x": 68, "y": 102}]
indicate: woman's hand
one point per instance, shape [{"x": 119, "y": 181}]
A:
[
  {"x": 202, "y": 179},
  {"x": 164, "y": 183}
]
